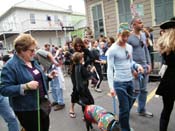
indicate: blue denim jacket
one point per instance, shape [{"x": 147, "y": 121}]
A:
[{"x": 13, "y": 75}]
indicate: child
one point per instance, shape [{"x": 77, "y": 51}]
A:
[
  {"x": 82, "y": 76},
  {"x": 57, "y": 86}
]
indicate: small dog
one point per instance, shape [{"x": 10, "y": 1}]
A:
[{"x": 96, "y": 114}]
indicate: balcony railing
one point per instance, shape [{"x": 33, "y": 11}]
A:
[{"x": 36, "y": 25}]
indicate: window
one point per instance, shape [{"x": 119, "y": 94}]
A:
[
  {"x": 98, "y": 20},
  {"x": 163, "y": 10},
  {"x": 48, "y": 18},
  {"x": 56, "y": 20},
  {"x": 124, "y": 11},
  {"x": 32, "y": 19}
]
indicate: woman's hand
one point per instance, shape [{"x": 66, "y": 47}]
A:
[{"x": 32, "y": 85}]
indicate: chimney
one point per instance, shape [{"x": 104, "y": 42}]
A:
[{"x": 70, "y": 8}]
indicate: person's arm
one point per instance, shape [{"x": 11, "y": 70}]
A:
[
  {"x": 148, "y": 59},
  {"x": 110, "y": 68},
  {"x": 52, "y": 59},
  {"x": 47, "y": 54},
  {"x": 10, "y": 85}
]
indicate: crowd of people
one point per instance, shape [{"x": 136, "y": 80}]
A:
[{"x": 30, "y": 72}]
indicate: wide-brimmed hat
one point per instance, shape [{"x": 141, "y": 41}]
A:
[{"x": 168, "y": 24}]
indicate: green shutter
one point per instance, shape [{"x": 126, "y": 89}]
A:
[
  {"x": 124, "y": 10},
  {"x": 98, "y": 20},
  {"x": 163, "y": 10}
]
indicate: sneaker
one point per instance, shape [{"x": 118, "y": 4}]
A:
[
  {"x": 98, "y": 90},
  {"x": 145, "y": 114},
  {"x": 131, "y": 129}
]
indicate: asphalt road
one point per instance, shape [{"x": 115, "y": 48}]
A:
[{"x": 60, "y": 120}]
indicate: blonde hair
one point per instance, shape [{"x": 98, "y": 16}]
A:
[{"x": 166, "y": 43}]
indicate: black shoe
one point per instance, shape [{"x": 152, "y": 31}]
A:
[
  {"x": 54, "y": 104},
  {"x": 145, "y": 114},
  {"x": 59, "y": 107}
]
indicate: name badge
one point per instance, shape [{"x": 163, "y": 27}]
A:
[{"x": 36, "y": 72}]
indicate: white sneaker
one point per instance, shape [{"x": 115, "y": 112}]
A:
[
  {"x": 131, "y": 129},
  {"x": 98, "y": 90}
]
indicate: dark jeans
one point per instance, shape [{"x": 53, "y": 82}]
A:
[
  {"x": 168, "y": 103},
  {"x": 29, "y": 120}
]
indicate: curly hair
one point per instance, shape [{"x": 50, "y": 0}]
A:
[
  {"x": 23, "y": 42},
  {"x": 78, "y": 41},
  {"x": 166, "y": 42}
]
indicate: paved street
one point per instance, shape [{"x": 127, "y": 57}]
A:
[{"x": 60, "y": 120}]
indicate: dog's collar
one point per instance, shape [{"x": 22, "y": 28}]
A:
[{"x": 113, "y": 125}]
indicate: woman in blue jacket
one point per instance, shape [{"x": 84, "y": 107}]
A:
[{"x": 21, "y": 77}]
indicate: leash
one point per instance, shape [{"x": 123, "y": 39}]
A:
[
  {"x": 114, "y": 105},
  {"x": 38, "y": 111},
  {"x": 141, "y": 78}
]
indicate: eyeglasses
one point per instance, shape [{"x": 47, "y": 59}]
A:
[{"x": 32, "y": 50}]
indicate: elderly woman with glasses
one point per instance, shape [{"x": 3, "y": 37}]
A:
[{"x": 24, "y": 81}]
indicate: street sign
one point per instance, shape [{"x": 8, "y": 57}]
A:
[{"x": 68, "y": 28}]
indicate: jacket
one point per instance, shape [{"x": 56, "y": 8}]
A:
[
  {"x": 13, "y": 75},
  {"x": 166, "y": 86}
]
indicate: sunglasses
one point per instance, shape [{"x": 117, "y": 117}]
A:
[
  {"x": 32, "y": 50},
  {"x": 127, "y": 54},
  {"x": 141, "y": 43}
]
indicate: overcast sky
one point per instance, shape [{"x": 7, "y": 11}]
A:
[{"x": 77, "y": 5}]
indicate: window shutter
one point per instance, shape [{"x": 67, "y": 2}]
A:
[
  {"x": 163, "y": 10},
  {"x": 98, "y": 20},
  {"x": 124, "y": 10}
]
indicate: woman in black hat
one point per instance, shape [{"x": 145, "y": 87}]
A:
[{"x": 166, "y": 44}]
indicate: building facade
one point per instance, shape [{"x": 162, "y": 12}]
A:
[
  {"x": 104, "y": 16},
  {"x": 46, "y": 22}
]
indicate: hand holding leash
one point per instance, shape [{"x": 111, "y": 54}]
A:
[{"x": 112, "y": 92}]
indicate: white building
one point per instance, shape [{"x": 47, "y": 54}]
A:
[{"x": 46, "y": 22}]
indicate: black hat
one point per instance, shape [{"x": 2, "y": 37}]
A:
[{"x": 168, "y": 24}]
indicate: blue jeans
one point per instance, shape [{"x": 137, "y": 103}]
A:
[
  {"x": 142, "y": 92},
  {"x": 8, "y": 115},
  {"x": 57, "y": 91},
  {"x": 124, "y": 91}
]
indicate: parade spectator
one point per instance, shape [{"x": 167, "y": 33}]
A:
[
  {"x": 110, "y": 41},
  {"x": 150, "y": 43},
  {"x": 67, "y": 60},
  {"x": 5, "y": 110},
  {"x": 166, "y": 46},
  {"x": 119, "y": 73},
  {"x": 23, "y": 80},
  {"x": 45, "y": 59},
  {"x": 97, "y": 63},
  {"x": 57, "y": 86},
  {"x": 141, "y": 55},
  {"x": 79, "y": 46}
]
